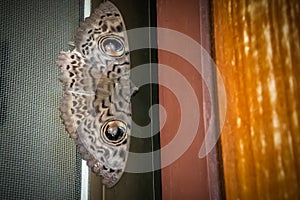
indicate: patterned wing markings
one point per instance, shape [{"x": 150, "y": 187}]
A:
[{"x": 95, "y": 107}]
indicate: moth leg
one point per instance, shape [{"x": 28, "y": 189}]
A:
[
  {"x": 133, "y": 89},
  {"x": 71, "y": 43}
]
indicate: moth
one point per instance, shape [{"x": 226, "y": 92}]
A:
[{"x": 95, "y": 107}]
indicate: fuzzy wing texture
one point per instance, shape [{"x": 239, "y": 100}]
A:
[{"x": 95, "y": 108}]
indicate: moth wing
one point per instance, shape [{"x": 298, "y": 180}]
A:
[
  {"x": 106, "y": 160},
  {"x": 105, "y": 21},
  {"x": 79, "y": 88}
]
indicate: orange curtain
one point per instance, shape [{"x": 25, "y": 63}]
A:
[{"x": 258, "y": 55}]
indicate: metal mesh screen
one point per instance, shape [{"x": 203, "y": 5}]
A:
[{"x": 37, "y": 160}]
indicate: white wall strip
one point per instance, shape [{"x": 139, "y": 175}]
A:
[
  {"x": 87, "y": 8},
  {"x": 84, "y": 168},
  {"x": 84, "y": 181}
]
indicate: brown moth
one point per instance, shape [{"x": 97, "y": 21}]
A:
[{"x": 95, "y": 107}]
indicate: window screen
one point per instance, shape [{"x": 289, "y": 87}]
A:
[{"x": 37, "y": 159}]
